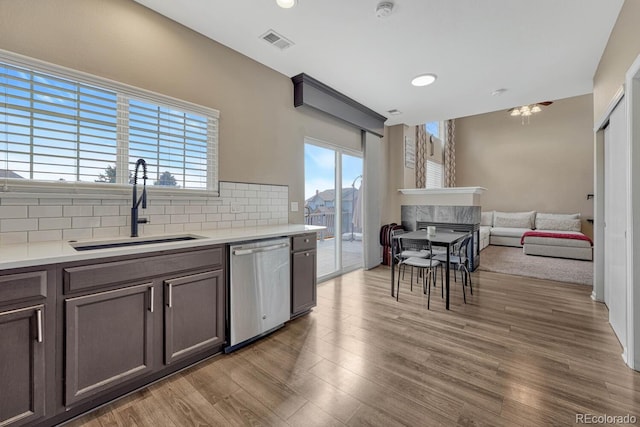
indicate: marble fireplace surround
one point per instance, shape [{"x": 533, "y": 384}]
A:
[{"x": 411, "y": 215}]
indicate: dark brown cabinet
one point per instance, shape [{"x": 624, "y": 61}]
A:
[
  {"x": 109, "y": 337},
  {"x": 130, "y": 320},
  {"x": 194, "y": 314},
  {"x": 22, "y": 365},
  {"x": 303, "y": 273},
  {"x": 27, "y": 326}
]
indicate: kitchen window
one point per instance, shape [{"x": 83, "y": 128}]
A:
[{"x": 62, "y": 126}]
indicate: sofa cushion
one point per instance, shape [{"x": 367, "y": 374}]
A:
[
  {"x": 558, "y": 222},
  {"x": 508, "y": 231},
  {"x": 514, "y": 219},
  {"x": 486, "y": 218},
  {"x": 566, "y": 224}
]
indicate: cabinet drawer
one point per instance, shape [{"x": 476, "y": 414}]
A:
[
  {"x": 303, "y": 242},
  {"x": 112, "y": 273},
  {"x": 22, "y": 286}
]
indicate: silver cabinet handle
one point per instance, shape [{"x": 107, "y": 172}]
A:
[
  {"x": 307, "y": 254},
  {"x": 151, "y": 293},
  {"x": 306, "y": 240},
  {"x": 170, "y": 295},
  {"x": 39, "y": 320}
]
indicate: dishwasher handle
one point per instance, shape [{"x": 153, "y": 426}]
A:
[{"x": 262, "y": 249}]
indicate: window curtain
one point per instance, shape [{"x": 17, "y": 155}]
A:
[
  {"x": 450, "y": 154},
  {"x": 422, "y": 140}
]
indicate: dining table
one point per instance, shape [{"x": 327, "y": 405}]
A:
[{"x": 441, "y": 238}]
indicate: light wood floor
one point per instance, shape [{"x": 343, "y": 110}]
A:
[{"x": 521, "y": 352}]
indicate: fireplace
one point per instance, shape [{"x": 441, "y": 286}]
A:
[{"x": 456, "y": 218}]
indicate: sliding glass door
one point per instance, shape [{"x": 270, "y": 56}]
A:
[{"x": 333, "y": 199}]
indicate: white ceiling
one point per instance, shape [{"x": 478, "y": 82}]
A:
[{"x": 538, "y": 50}]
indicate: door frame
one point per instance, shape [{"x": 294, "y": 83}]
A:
[
  {"x": 339, "y": 151},
  {"x": 631, "y": 93}
]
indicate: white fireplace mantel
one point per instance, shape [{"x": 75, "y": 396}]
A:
[{"x": 451, "y": 196}]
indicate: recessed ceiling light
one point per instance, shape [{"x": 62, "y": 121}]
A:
[
  {"x": 394, "y": 112},
  {"x": 286, "y": 4},
  {"x": 498, "y": 92},
  {"x": 423, "y": 79}
]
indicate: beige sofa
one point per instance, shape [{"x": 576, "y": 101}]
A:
[{"x": 556, "y": 235}]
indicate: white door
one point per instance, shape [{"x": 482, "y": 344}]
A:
[{"x": 615, "y": 216}]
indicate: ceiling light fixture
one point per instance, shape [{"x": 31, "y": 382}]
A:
[
  {"x": 525, "y": 111},
  {"x": 286, "y": 4},
  {"x": 384, "y": 9},
  {"x": 424, "y": 79}
]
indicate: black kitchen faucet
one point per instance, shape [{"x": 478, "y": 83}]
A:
[{"x": 143, "y": 198}]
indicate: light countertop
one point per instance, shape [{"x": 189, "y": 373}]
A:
[{"x": 43, "y": 253}]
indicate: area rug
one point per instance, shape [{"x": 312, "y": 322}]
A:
[{"x": 503, "y": 259}]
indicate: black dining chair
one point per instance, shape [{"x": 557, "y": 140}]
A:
[
  {"x": 426, "y": 266},
  {"x": 459, "y": 259}
]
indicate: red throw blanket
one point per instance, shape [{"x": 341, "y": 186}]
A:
[{"x": 555, "y": 235}]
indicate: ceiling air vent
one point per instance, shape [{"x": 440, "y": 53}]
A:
[{"x": 276, "y": 40}]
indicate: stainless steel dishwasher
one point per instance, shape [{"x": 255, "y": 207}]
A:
[{"x": 259, "y": 289}]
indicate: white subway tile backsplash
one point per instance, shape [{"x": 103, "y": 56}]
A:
[
  {"x": 209, "y": 209},
  {"x": 193, "y": 226},
  {"x": 151, "y": 210},
  {"x": 45, "y": 211},
  {"x": 55, "y": 201},
  {"x": 85, "y": 222},
  {"x": 174, "y": 228},
  {"x": 7, "y": 225},
  {"x": 77, "y": 210},
  {"x": 179, "y": 219},
  {"x": 45, "y": 236},
  {"x": 4, "y": 201},
  {"x": 113, "y": 221},
  {"x": 174, "y": 210},
  {"x": 149, "y": 229},
  {"x": 77, "y": 233},
  {"x": 54, "y": 223},
  {"x": 106, "y": 210},
  {"x": 70, "y": 218},
  {"x": 159, "y": 219},
  {"x": 104, "y": 232},
  {"x": 191, "y": 209},
  {"x": 13, "y": 212},
  {"x": 14, "y": 237},
  {"x": 91, "y": 202},
  {"x": 215, "y": 217},
  {"x": 197, "y": 218}
]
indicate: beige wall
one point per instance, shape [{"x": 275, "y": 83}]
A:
[
  {"x": 261, "y": 133},
  {"x": 546, "y": 165},
  {"x": 399, "y": 175},
  {"x": 622, "y": 49}
]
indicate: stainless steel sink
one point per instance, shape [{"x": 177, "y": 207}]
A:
[{"x": 108, "y": 244}]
